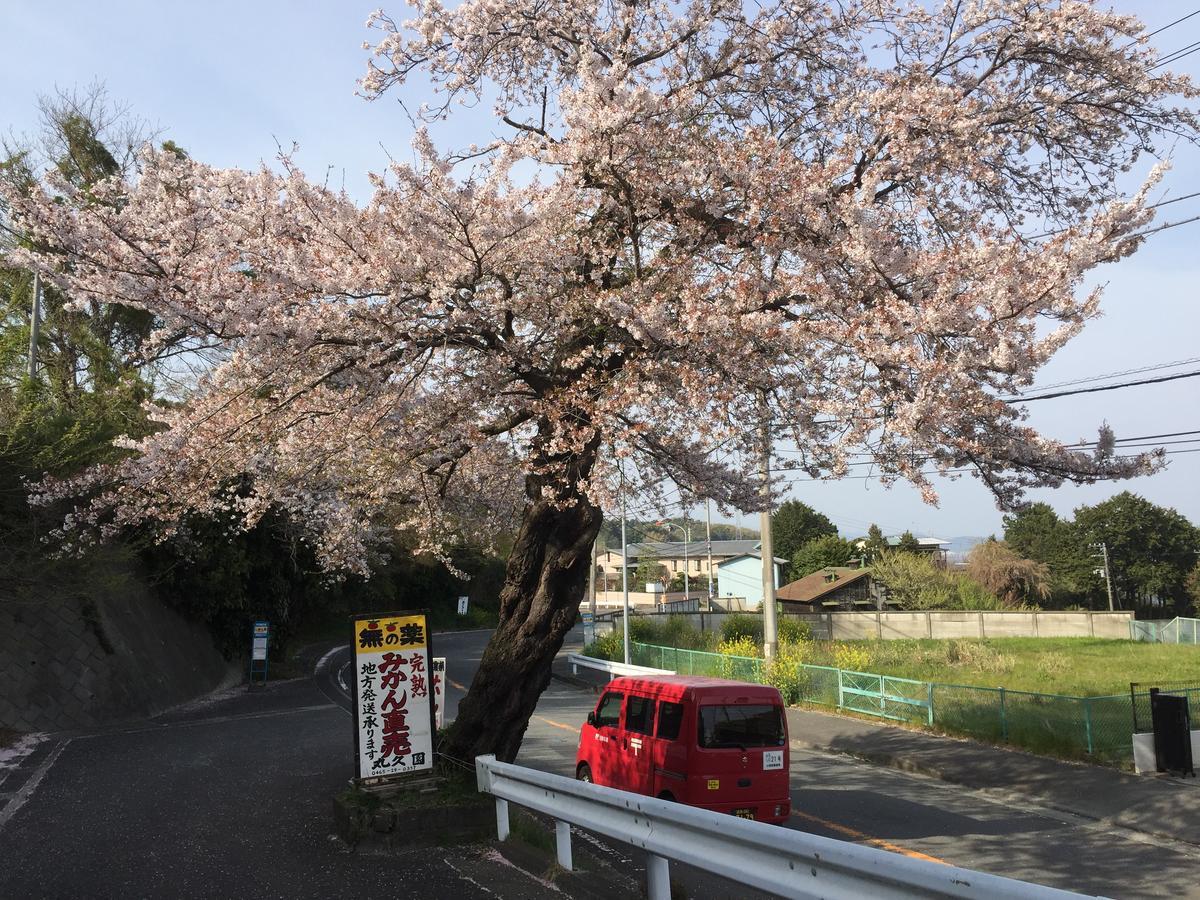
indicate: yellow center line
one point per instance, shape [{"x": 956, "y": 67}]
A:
[
  {"x": 562, "y": 725},
  {"x": 867, "y": 839}
]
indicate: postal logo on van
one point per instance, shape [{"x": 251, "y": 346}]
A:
[
  {"x": 714, "y": 784},
  {"x": 772, "y": 759}
]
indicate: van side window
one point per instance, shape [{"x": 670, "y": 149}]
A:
[
  {"x": 639, "y": 715},
  {"x": 670, "y": 717},
  {"x": 609, "y": 712}
]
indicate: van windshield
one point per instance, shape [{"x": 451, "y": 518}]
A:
[{"x": 741, "y": 727}]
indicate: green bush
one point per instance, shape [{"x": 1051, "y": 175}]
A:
[
  {"x": 739, "y": 658},
  {"x": 856, "y": 658},
  {"x": 784, "y": 672},
  {"x": 741, "y": 625},
  {"x": 607, "y": 646},
  {"x": 794, "y": 631}
]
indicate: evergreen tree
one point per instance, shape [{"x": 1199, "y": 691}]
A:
[{"x": 795, "y": 524}]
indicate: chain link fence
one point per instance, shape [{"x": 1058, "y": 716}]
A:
[
  {"x": 1139, "y": 697},
  {"x": 1095, "y": 728}
]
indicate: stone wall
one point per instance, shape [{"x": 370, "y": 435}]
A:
[{"x": 78, "y": 661}]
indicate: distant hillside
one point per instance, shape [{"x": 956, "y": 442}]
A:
[
  {"x": 964, "y": 544},
  {"x": 958, "y": 548}
]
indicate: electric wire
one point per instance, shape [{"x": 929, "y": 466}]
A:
[
  {"x": 1165, "y": 27},
  {"x": 1090, "y": 378},
  {"x": 1105, "y": 387}
]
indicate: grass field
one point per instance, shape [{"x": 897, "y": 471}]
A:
[{"x": 1082, "y": 667}]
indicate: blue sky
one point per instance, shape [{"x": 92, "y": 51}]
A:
[{"x": 229, "y": 81}]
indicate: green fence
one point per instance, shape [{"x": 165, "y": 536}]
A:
[
  {"x": 1165, "y": 631},
  {"x": 1097, "y": 728}
]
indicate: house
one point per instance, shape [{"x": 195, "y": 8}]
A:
[
  {"x": 936, "y": 547},
  {"x": 742, "y": 577},
  {"x": 833, "y": 589},
  {"x": 671, "y": 555}
]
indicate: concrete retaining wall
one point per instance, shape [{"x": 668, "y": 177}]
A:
[
  {"x": 75, "y": 661},
  {"x": 895, "y": 625}
]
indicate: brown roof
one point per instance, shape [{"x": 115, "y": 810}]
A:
[{"x": 815, "y": 586}]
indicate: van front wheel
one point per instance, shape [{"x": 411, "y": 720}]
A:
[{"x": 583, "y": 773}]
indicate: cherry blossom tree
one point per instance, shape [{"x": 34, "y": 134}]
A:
[{"x": 866, "y": 222}]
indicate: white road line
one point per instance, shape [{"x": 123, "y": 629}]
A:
[
  {"x": 325, "y": 659},
  {"x": 22, "y": 796},
  {"x": 342, "y": 679}
]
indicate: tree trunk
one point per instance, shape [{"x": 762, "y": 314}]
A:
[{"x": 544, "y": 583}]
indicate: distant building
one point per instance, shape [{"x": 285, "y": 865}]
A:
[
  {"x": 742, "y": 577},
  {"x": 671, "y": 556},
  {"x": 936, "y": 547},
  {"x": 833, "y": 589}
]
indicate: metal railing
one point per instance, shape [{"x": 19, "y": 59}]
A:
[
  {"x": 778, "y": 860},
  {"x": 1096, "y": 728},
  {"x": 576, "y": 661}
]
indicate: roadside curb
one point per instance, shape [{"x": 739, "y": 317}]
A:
[
  {"x": 917, "y": 767},
  {"x": 575, "y": 681}
]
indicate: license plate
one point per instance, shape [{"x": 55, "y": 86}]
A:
[{"x": 747, "y": 813}]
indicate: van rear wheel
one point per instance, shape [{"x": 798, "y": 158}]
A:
[{"x": 583, "y": 773}]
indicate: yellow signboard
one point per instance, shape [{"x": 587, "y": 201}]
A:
[
  {"x": 389, "y": 633},
  {"x": 393, "y": 695}
]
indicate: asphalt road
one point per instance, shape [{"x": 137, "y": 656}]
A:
[
  {"x": 231, "y": 796},
  {"x": 839, "y": 797}
]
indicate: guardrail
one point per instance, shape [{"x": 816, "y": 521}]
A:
[
  {"x": 577, "y": 661},
  {"x": 778, "y": 860}
]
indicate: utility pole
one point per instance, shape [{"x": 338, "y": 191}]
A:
[
  {"x": 624, "y": 576},
  {"x": 1103, "y": 548},
  {"x": 708, "y": 546},
  {"x": 35, "y": 322},
  {"x": 770, "y": 624},
  {"x": 592, "y": 584},
  {"x": 687, "y": 539}
]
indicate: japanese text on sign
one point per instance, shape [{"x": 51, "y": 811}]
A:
[{"x": 393, "y": 697}]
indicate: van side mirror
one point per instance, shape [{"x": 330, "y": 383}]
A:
[{"x": 591, "y": 719}]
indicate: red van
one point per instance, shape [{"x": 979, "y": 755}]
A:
[{"x": 720, "y": 745}]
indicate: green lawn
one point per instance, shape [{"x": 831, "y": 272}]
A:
[{"x": 1083, "y": 667}]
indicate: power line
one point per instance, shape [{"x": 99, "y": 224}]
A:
[
  {"x": 1106, "y": 387},
  {"x": 1141, "y": 437},
  {"x": 1138, "y": 371},
  {"x": 1176, "y": 55},
  {"x": 1034, "y": 237},
  {"x": 1168, "y": 25}
]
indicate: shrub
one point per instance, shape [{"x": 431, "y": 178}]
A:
[
  {"x": 974, "y": 596},
  {"x": 794, "y": 631},
  {"x": 784, "y": 672},
  {"x": 978, "y": 655},
  {"x": 607, "y": 646},
  {"x": 741, "y": 625},
  {"x": 738, "y": 658},
  {"x": 642, "y": 630},
  {"x": 852, "y": 657}
]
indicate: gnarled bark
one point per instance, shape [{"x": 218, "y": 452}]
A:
[{"x": 544, "y": 584}]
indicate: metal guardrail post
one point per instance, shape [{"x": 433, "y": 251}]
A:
[
  {"x": 502, "y": 829},
  {"x": 1003, "y": 716},
  {"x": 562, "y": 840},
  {"x": 658, "y": 878},
  {"x": 841, "y": 694},
  {"x": 1087, "y": 722}
]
